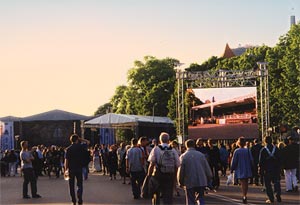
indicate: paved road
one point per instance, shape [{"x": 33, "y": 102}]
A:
[{"x": 99, "y": 189}]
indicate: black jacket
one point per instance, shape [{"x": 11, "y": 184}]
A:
[
  {"x": 290, "y": 156},
  {"x": 270, "y": 164},
  {"x": 255, "y": 150}
]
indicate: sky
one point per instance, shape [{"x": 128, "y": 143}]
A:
[
  {"x": 72, "y": 54},
  {"x": 223, "y": 94}
]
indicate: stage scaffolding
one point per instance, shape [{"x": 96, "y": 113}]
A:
[{"x": 223, "y": 79}]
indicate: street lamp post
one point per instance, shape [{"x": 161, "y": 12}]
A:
[
  {"x": 153, "y": 111},
  {"x": 180, "y": 102}
]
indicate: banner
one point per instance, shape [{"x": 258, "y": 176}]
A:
[
  {"x": 107, "y": 136},
  {"x": 6, "y": 136}
]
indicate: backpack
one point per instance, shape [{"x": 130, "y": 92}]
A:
[
  {"x": 271, "y": 154},
  {"x": 166, "y": 164}
]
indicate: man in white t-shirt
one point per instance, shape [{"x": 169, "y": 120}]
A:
[
  {"x": 164, "y": 162},
  {"x": 28, "y": 172}
]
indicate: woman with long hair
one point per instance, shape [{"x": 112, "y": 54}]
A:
[
  {"x": 241, "y": 164},
  {"x": 96, "y": 159}
]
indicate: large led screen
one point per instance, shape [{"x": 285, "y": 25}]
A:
[{"x": 224, "y": 113}]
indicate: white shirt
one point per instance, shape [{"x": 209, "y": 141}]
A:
[{"x": 155, "y": 155}]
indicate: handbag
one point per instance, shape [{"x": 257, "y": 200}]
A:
[{"x": 229, "y": 179}]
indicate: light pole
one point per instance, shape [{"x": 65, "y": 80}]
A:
[
  {"x": 153, "y": 109},
  {"x": 264, "y": 98},
  {"x": 180, "y": 102}
]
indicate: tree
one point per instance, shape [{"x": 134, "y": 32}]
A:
[
  {"x": 211, "y": 63},
  {"x": 103, "y": 109},
  {"x": 117, "y": 98},
  {"x": 284, "y": 69},
  {"x": 151, "y": 84}
]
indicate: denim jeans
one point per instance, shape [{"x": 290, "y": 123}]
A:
[
  {"x": 12, "y": 168},
  {"x": 290, "y": 178},
  {"x": 78, "y": 175},
  {"x": 195, "y": 194},
  {"x": 137, "y": 179},
  {"x": 85, "y": 172},
  {"x": 29, "y": 177}
]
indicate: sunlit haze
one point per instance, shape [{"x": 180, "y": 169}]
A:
[{"x": 71, "y": 55}]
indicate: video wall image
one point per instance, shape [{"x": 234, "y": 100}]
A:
[
  {"x": 224, "y": 113},
  {"x": 235, "y": 105}
]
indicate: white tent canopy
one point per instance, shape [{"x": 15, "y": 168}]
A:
[{"x": 122, "y": 120}]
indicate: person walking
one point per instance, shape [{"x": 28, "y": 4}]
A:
[
  {"x": 74, "y": 162},
  {"x": 201, "y": 147},
  {"x": 270, "y": 165},
  {"x": 241, "y": 164},
  {"x": 41, "y": 160},
  {"x": 96, "y": 159},
  {"x": 121, "y": 153},
  {"x": 35, "y": 161},
  {"x": 164, "y": 162},
  {"x": 174, "y": 144},
  {"x": 255, "y": 150},
  {"x": 86, "y": 161},
  {"x": 193, "y": 174},
  {"x": 135, "y": 166},
  {"x": 4, "y": 164},
  {"x": 56, "y": 161},
  {"x": 224, "y": 154},
  {"x": 104, "y": 154},
  {"x": 112, "y": 161},
  {"x": 28, "y": 172},
  {"x": 142, "y": 143},
  {"x": 290, "y": 164},
  {"x": 214, "y": 161},
  {"x": 12, "y": 161}
]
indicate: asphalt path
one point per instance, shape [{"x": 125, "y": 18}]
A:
[{"x": 99, "y": 189}]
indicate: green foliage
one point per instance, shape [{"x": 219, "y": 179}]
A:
[
  {"x": 103, "y": 109},
  {"x": 117, "y": 105},
  {"x": 284, "y": 72},
  {"x": 207, "y": 65},
  {"x": 152, "y": 86}
]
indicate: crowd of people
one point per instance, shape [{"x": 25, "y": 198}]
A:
[
  {"x": 160, "y": 167},
  {"x": 47, "y": 161}
]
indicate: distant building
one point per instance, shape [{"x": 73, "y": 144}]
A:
[
  {"x": 48, "y": 128},
  {"x": 231, "y": 52},
  {"x": 228, "y": 53},
  {"x": 293, "y": 20}
]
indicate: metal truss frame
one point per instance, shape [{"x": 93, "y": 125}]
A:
[{"x": 222, "y": 79}]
